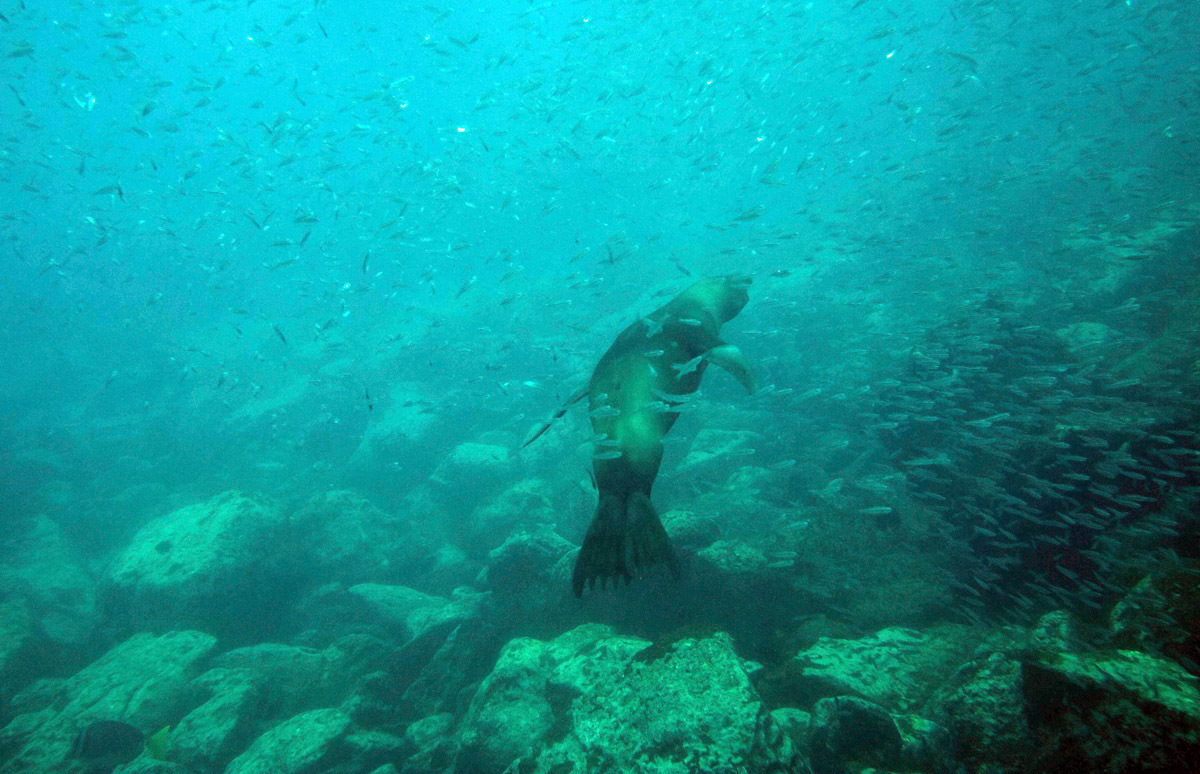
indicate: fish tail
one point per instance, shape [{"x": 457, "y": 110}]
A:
[{"x": 625, "y": 536}]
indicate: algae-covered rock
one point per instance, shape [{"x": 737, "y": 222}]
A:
[
  {"x": 308, "y": 743},
  {"x": 43, "y": 569},
  {"x": 594, "y": 700},
  {"x": 1112, "y": 711},
  {"x": 143, "y": 682},
  {"x": 213, "y": 733},
  {"x": 847, "y": 728},
  {"x": 523, "y": 506},
  {"x": 403, "y": 611},
  {"x": 526, "y": 562},
  {"x": 896, "y": 668},
  {"x": 351, "y": 541},
  {"x": 469, "y": 473},
  {"x": 18, "y": 642},
  {"x": 430, "y": 743},
  {"x": 292, "y": 678},
  {"x": 982, "y": 708},
  {"x": 452, "y": 648},
  {"x": 221, "y": 565},
  {"x": 510, "y": 714}
]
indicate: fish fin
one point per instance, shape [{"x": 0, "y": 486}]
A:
[
  {"x": 647, "y": 542},
  {"x": 541, "y": 428},
  {"x": 602, "y": 555},
  {"x": 156, "y": 744},
  {"x": 731, "y": 359}
]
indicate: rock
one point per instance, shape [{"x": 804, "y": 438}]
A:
[
  {"x": 847, "y": 728},
  {"x": 147, "y": 765},
  {"x": 19, "y": 639},
  {"x": 524, "y": 506},
  {"x": 526, "y": 563},
  {"x": 1113, "y": 711},
  {"x": 690, "y": 531},
  {"x": 293, "y": 679},
  {"x": 430, "y": 673},
  {"x": 368, "y": 749},
  {"x": 42, "y": 569},
  {"x": 308, "y": 743},
  {"x": 470, "y": 473},
  {"x": 212, "y": 734},
  {"x": 401, "y": 424},
  {"x": 1086, "y": 340},
  {"x": 1154, "y": 615},
  {"x": 143, "y": 682},
  {"x": 432, "y": 738},
  {"x": 896, "y": 668},
  {"x": 1055, "y": 631},
  {"x": 400, "y": 610},
  {"x": 351, "y": 541},
  {"x": 224, "y": 565},
  {"x": 594, "y": 700},
  {"x": 982, "y": 708},
  {"x": 510, "y": 713}
]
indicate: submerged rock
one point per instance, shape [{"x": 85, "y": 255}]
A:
[
  {"x": 470, "y": 473},
  {"x": 142, "y": 682},
  {"x": 213, "y": 733},
  {"x": 43, "y": 569},
  {"x": 18, "y": 643},
  {"x": 594, "y": 700},
  {"x": 351, "y": 541},
  {"x": 846, "y": 728},
  {"x": 1112, "y": 711},
  {"x": 223, "y": 565},
  {"x": 524, "y": 506},
  {"x": 308, "y": 743},
  {"x": 896, "y": 668}
]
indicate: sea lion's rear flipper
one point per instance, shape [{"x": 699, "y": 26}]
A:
[
  {"x": 622, "y": 539},
  {"x": 730, "y": 358},
  {"x": 602, "y": 555},
  {"x": 648, "y": 541}
]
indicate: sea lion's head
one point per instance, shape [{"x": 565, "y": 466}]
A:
[{"x": 724, "y": 297}]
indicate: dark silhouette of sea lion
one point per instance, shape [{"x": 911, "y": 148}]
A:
[{"x": 639, "y": 382}]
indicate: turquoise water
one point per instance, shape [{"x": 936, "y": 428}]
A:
[{"x": 340, "y": 258}]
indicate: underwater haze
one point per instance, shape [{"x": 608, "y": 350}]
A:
[{"x": 300, "y": 300}]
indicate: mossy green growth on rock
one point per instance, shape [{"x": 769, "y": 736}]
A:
[
  {"x": 1115, "y": 711},
  {"x": 586, "y": 701}
]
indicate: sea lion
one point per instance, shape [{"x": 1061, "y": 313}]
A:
[{"x": 649, "y": 370}]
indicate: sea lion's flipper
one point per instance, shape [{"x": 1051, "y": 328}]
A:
[
  {"x": 648, "y": 540},
  {"x": 621, "y": 539},
  {"x": 730, "y": 358},
  {"x": 537, "y": 431},
  {"x": 602, "y": 555}
]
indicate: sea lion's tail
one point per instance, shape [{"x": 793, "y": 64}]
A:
[{"x": 625, "y": 536}]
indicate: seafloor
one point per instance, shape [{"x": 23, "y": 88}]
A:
[{"x": 1008, "y": 584}]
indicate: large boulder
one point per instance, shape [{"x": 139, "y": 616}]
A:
[
  {"x": 42, "y": 568},
  {"x": 143, "y": 682},
  {"x": 221, "y": 727},
  {"x": 525, "y": 505},
  {"x": 594, "y": 700},
  {"x": 351, "y": 541},
  {"x": 470, "y": 473},
  {"x": 19, "y": 639},
  {"x": 1117, "y": 711},
  {"x": 308, "y": 743},
  {"x": 896, "y": 668},
  {"x": 224, "y": 565}
]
